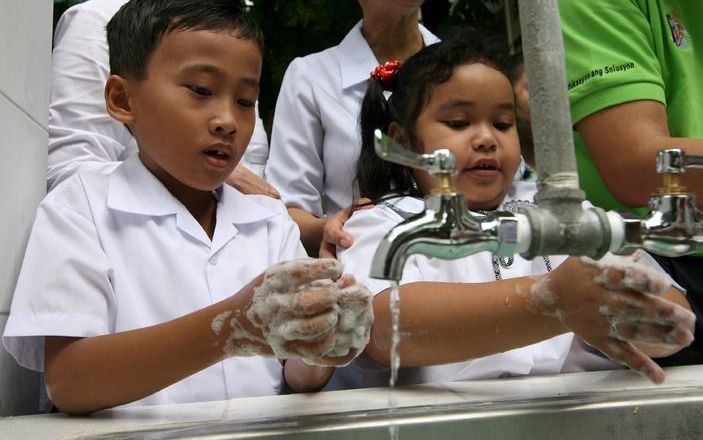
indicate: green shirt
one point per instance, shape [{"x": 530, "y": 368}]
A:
[{"x": 626, "y": 50}]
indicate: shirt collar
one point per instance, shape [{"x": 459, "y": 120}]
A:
[
  {"x": 356, "y": 58},
  {"x": 241, "y": 208},
  {"x": 134, "y": 189}
]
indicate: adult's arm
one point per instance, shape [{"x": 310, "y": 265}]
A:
[
  {"x": 623, "y": 141},
  {"x": 82, "y": 136},
  {"x": 619, "y": 90},
  {"x": 295, "y": 165},
  {"x": 311, "y": 229}
]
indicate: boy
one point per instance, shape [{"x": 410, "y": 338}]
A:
[{"x": 126, "y": 288}]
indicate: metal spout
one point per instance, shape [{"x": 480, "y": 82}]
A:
[{"x": 446, "y": 228}]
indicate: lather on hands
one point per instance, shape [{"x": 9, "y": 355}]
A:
[
  {"x": 306, "y": 308},
  {"x": 614, "y": 305}
]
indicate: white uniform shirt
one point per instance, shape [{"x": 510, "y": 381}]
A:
[
  {"x": 315, "y": 139},
  {"x": 369, "y": 226},
  {"x": 82, "y": 135},
  {"x": 110, "y": 253}
]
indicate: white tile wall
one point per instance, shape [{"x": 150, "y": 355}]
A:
[
  {"x": 25, "y": 58},
  {"x": 19, "y": 388},
  {"x": 22, "y": 184},
  {"x": 25, "y": 41}
]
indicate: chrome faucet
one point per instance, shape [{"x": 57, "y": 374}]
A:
[
  {"x": 674, "y": 225},
  {"x": 446, "y": 228}
]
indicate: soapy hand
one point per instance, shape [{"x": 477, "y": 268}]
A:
[
  {"x": 613, "y": 305},
  {"x": 305, "y": 308}
]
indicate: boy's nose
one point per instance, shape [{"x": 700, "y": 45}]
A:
[{"x": 225, "y": 122}]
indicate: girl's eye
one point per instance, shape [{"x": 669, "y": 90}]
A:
[
  {"x": 199, "y": 90},
  {"x": 248, "y": 103},
  {"x": 456, "y": 123},
  {"x": 503, "y": 126}
]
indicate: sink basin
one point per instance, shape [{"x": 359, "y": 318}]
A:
[
  {"x": 679, "y": 415},
  {"x": 643, "y": 413},
  {"x": 608, "y": 405}
]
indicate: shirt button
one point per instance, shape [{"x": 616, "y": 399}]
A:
[{"x": 212, "y": 260}]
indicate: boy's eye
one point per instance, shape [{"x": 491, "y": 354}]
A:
[
  {"x": 199, "y": 90},
  {"x": 503, "y": 126},
  {"x": 456, "y": 123},
  {"x": 248, "y": 103}
]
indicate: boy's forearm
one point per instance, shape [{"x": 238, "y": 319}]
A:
[{"x": 88, "y": 374}]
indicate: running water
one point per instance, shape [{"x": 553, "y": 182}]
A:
[{"x": 395, "y": 357}]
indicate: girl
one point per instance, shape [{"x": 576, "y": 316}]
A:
[{"x": 479, "y": 316}]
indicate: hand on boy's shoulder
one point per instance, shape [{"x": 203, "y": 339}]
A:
[{"x": 248, "y": 182}]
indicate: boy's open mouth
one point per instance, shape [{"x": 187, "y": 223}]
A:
[{"x": 218, "y": 154}]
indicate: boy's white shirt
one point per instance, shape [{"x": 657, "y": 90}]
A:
[
  {"x": 110, "y": 253},
  {"x": 369, "y": 226}
]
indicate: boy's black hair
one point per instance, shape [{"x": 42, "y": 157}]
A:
[
  {"x": 412, "y": 90},
  {"x": 137, "y": 28}
]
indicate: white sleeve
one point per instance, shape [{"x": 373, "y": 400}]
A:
[
  {"x": 295, "y": 166},
  {"x": 64, "y": 286},
  {"x": 257, "y": 153},
  {"x": 367, "y": 229},
  {"x": 82, "y": 136}
]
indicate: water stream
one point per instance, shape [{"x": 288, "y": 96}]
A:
[{"x": 395, "y": 357}]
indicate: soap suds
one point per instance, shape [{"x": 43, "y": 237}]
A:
[
  {"x": 635, "y": 274},
  {"x": 282, "y": 307},
  {"x": 219, "y": 321}
]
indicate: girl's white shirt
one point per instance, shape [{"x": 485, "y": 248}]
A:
[
  {"x": 315, "y": 139},
  {"x": 369, "y": 226},
  {"x": 111, "y": 253}
]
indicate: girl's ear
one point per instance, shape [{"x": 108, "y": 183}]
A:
[
  {"x": 397, "y": 133},
  {"x": 117, "y": 99}
]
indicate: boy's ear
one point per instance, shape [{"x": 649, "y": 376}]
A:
[
  {"x": 397, "y": 133},
  {"x": 117, "y": 99}
]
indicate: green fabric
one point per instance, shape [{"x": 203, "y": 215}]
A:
[{"x": 624, "y": 50}]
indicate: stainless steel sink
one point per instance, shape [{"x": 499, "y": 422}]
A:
[
  {"x": 652, "y": 413},
  {"x": 609, "y": 405}
]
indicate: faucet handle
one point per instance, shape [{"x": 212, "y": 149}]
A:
[
  {"x": 675, "y": 160},
  {"x": 438, "y": 162}
]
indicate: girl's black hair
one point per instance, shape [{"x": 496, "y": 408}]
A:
[
  {"x": 136, "y": 29},
  {"x": 412, "y": 90}
]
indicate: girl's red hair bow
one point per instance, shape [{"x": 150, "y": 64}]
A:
[{"x": 385, "y": 73}]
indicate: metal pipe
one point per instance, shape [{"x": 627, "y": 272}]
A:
[{"x": 543, "y": 49}]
